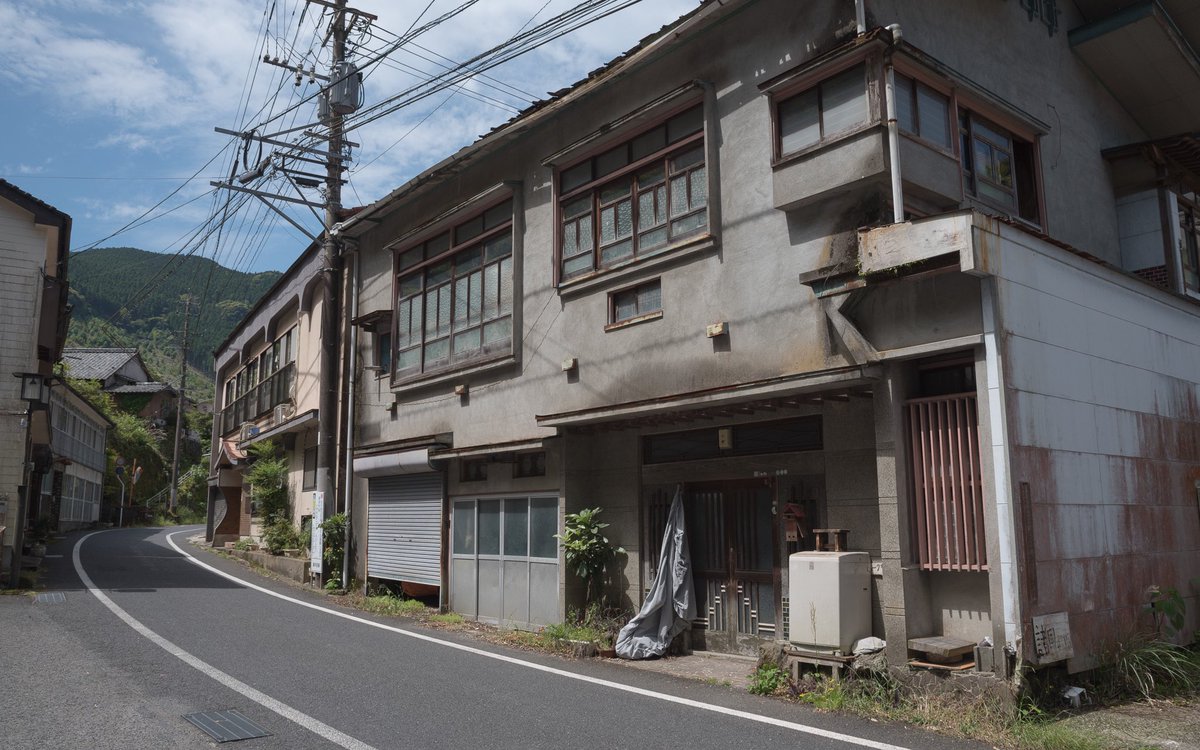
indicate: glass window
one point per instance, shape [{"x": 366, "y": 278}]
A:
[
  {"x": 922, "y": 111},
  {"x": 605, "y": 224},
  {"x": 633, "y": 303},
  {"x": 836, "y": 105},
  {"x": 489, "y": 527},
  {"x": 999, "y": 168},
  {"x": 543, "y": 525},
  {"x": 459, "y": 308},
  {"x": 516, "y": 527},
  {"x": 530, "y": 465},
  {"x": 464, "y": 528}
]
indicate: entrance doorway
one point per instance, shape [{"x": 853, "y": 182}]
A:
[{"x": 733, "y": 539}]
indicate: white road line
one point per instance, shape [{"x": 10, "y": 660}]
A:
[
  {"x": 795, "y": 726},
  {"x": 284, "y": 710}
]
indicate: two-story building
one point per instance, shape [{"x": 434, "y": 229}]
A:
[
  {"x": 844, "y": 265},
  {"x": 35, "y": 240},
  {"x": 267, "y": 387},
  {"x": 72, "y": 490},
  {"x": 928, "y": 279}
]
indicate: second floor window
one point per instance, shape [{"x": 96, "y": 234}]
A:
[
  {"x": 923, "y": 112},
  {"x": 635, "y": 199},
  {"x": 835, "y": 106},
  {"x": 999, "y": 168},
  {"x": 454, "y": 296}
]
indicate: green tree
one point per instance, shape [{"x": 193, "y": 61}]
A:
[{"x": 268, "y": 475}]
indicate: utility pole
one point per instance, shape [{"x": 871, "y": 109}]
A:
[
  {"x": 331, "y": 275},
  {"x": 187, "y": 314}
]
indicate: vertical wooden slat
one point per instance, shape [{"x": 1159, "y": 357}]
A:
[
  {"x": 940, "y": 486},
  {"x": 962, "y": 491},
  {"x": 919, "y": 433},
  {"x": 970, "y": 551},
  {"x": 977, "y": 482},
  {"x": 927, "y": 487}
]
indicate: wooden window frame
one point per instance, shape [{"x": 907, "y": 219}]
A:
[
  {"x": 1188, "y": 207},
  {"x": 642, "y": 316},
  {"x": 436, "y": 256},
  {"x": 635, "y": 166}
]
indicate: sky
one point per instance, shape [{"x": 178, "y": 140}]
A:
[{"x": 111, "y": 105}]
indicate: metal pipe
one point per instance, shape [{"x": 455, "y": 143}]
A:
[
  {"x": 860, "y": 16},
  {"x": 894, "y": 136},
  {"x": 351, "y": 371}
]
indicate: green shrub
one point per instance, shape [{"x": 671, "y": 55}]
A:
[
  {"x": 1144, "y": 666},
  {"x": 280, "y": 535},
  {"x": 767, "y": 679},
  {"x": 268, "y": 477},
  {"x": 587, "y": 550},
  {"x": 334, "y": 529},
  {"x": 245, "y": 544}
]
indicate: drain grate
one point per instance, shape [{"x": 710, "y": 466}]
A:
[
  {"x": 227, "y": 726},
  {"x": 52, "y": 597}
]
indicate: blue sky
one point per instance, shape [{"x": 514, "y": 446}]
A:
[{"x": 111, "y": 104}]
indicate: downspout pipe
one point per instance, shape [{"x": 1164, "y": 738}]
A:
[
  {"x": 894, "y": 134},
  {"x": 351, "y": 370},
  {"x": 860, "y": 16}
]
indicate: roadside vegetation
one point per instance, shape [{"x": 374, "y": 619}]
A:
[{"x": 1146, "y": 668}]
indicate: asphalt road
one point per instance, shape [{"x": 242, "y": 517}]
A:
[{"x": 146, "y": 635}]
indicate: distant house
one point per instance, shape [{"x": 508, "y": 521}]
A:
[
  {"x": 122, "y": 373},
  {"x": 71, "y": 492},
  {"x": 34, "y": 242}
]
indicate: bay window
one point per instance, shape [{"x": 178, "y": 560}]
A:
[
  {"x": 833, "y": 107},
  {"x": 635, "y": 199},
  {"x": 454, "y": 296}
]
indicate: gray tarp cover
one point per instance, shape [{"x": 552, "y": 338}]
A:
[{"x": 671, "y": 605}]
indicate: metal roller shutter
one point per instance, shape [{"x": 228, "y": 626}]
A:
[{"x": 404, "y": 528}]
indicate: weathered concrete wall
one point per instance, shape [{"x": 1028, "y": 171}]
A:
[{"x": 1103, "y": 398}]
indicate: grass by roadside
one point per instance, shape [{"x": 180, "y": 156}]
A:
[{"x": 1142, "y": 677}]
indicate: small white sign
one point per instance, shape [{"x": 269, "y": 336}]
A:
[
  {"x": 1052, "y": 638},
  {"x": 318, "y": 534}
]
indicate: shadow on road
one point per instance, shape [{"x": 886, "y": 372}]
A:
[{"x": 136, "y": 560}]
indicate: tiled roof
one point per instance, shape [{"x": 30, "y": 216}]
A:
[
  {"x": 149, "y": 387},
  {"x": 95, "y": 364}
]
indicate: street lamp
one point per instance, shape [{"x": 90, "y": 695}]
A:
[{"x": 35, "y": 392}]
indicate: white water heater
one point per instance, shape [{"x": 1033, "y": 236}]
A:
[{"x": 829, "y": 600}]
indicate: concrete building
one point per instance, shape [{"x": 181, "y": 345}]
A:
[
  {"x": 267, "y": 387},
  {"x": 35, "y": 240},
  {"x": 928, "y": 282}
]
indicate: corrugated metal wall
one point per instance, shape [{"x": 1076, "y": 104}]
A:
[{"x": 404, "y": 528}]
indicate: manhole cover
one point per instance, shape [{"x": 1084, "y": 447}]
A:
[
  {"x": 227, "y": 726},
  {"x": 51, "y": 597}
]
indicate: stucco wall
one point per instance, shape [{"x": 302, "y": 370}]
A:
[{"x": 1103, "y": 399}]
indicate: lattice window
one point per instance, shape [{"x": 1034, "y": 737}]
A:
[{"x": 947, "y": 487}]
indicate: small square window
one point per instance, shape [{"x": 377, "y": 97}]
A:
[
  {"x": 474, "y": 469},
  {"x": 530, "y": 465},
  {"x": 628, "y": 304}
]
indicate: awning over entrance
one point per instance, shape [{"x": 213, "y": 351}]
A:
[
  {"x": 398, "y": 462},
  {"x": 767, "y": 394}
]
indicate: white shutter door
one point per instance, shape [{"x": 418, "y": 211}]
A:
[{"x": 404, "y": 528}]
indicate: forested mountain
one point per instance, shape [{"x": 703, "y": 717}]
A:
[{"x": 151, "y": 287}]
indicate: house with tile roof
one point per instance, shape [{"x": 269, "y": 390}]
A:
[{"x": 122, "y": 373}]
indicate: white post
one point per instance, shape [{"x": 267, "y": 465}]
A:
[{"x": 121, "y": 515}]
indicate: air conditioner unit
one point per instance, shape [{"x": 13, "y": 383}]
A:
[
  {"x": 249, "y": 430},
  {"x": 282, "y": 413}
]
